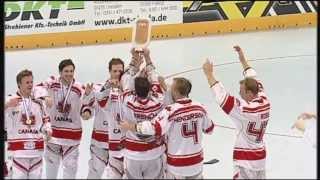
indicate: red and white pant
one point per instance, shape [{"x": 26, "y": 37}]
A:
[
  {"x": 98, "y": 162},
  {"x": 243, "y": 173},
  {"x": 26, "y": 168},
  {"x": 69, "y": 156}
]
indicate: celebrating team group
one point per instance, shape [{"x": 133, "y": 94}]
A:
[{"x": 143, "y": 128}]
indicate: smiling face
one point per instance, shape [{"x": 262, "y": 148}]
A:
[
  {"x": 26, "y": 85},
  {"x": 67, "y": 73},
  {"x": 116, "y": 71}
]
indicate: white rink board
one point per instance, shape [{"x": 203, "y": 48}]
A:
[{"x": 291, "y": 86}]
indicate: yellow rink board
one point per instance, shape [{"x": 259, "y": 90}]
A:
[{"x": 76, "y": 38}]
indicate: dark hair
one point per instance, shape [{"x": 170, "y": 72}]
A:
[
  {"x": 183, "y": 86},
  {"x": 142, "y": 86},
  {"x": 115, "y": 61},
  {"x": 64, "y": 63},
  {"x": 250, "y": 84},
  {"x": 23, "y": 74}
]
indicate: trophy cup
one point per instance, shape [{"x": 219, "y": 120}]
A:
[{"x": 141, "y": 34}]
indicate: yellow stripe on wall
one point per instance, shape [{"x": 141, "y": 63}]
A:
[{"x": 66, "y": 39}]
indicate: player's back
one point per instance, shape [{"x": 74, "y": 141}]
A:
[
  {"x": 184, "y": 146},
  {"x": 249, "y": 149},
  {"x": 138, "y": 146}
]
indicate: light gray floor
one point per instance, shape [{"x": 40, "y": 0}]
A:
[{"x": 290, "y": 84}]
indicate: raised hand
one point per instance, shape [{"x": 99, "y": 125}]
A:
[
  {"x": 88, "y": 89},
  {"x": 207, "y": 67},
  {"x": 49, "y": 101},
  {"x": 307, "y": 115},
  {"x": 115, "y": 83},
  {"x": 162, "y": 83},
  {"x": 12, "y": 103}
]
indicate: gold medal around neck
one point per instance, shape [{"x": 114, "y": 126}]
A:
[{"x": 28, "y": 121}]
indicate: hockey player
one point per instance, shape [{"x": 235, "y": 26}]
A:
[
  {"x": 250, "y": 115},
  {"x": 183, "y": 122},
  {"x": 65, "y": 113},
  {"x": 26, "y": 123},
  {"x": 109, "y": 93},
  {"x": 99, "y": 99},
  {"x": 143, "y": 154}
]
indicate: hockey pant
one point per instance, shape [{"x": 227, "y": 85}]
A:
[
  {"x": 115, "y": 168},
  {"x": 98, "y": 162},
  {"x": 69, "y": 155},
  {"x": 26, "y": 168},
  {"x": 143, "y": 169},
  {"x": 243, "y": 173}
]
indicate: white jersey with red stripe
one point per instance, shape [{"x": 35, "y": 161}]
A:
[
  {"x": 24, "y": 138},
  {"x": 105, "y": 125},
  {"x": 183, "y": 122},
  {"x": 65, "y": 112},
  {"x": 99, "y": 103},
  {"x": 251, "y": 119},
  {"x": 135, "y": 109}
]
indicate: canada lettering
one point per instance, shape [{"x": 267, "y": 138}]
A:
[{"x": 65, "y": 119}]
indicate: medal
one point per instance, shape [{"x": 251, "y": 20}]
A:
[
  {"x": 65, "y": 99},
  {"x": 28, "y": 121},
  {"x": 27, "y": 108}
]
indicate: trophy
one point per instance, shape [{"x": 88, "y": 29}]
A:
[{"x": 141, "y": 34}]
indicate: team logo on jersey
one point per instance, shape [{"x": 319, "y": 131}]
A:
[
  {"x": 65, "y": 110},
  {"x": 29, "y": 145},
  {"x": 26, "y": 121}
]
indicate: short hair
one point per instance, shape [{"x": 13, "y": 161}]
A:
[
  {"x": 64, "y": 63},
  {"x": 142, "y": 86},
  {"x": 250, "y": 84},
  {"x": 22, "y": 74},
  {"x": 183, "y": 86},
  {"x": 115, "y": 61}
]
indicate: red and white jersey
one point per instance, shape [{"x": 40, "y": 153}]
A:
[
  {"x": 106, "y": 118},
  {"x": 116, "y": 135},
  {"x": 25, "y": 137},
  {"x": 251, "y": 119},
  {"x": 65, "y": 112},
  {"x": 135, "y": 109},
  {"x": 99, "y": 104},
  {"x": 183, "y": 122}
]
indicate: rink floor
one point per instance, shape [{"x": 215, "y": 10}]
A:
[{"x": 289, "y": 82}]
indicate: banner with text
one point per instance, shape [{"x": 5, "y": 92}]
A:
[{"x": 34, "y": 17}]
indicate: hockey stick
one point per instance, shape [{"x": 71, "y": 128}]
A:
[
  {"x": 212, "y": 161},
  {"x": 236, "y": 62}
]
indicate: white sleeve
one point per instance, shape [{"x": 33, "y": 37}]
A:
[
  {"x": 310, "y": 133},
  {"x": 9, "y": 121},
  {"x": 127, "y": 79},
  {"x": 207, "y": 123},
  {"x": 151, "y": 73},
  {"x": 229, "y": 104}
]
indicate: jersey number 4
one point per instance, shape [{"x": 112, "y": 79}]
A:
[
  {"x": 188, "y": 131},
  {"x": 258, "y": 132}
]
